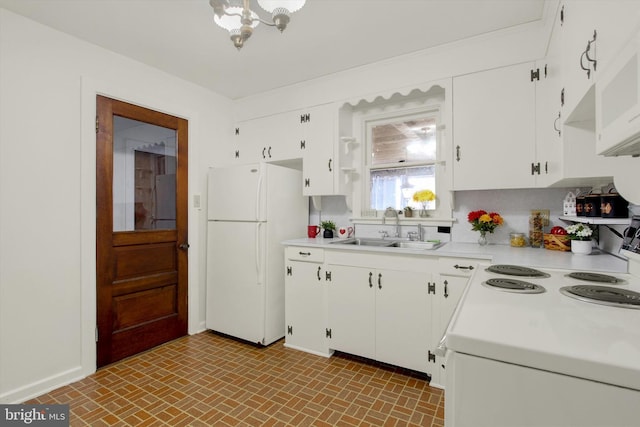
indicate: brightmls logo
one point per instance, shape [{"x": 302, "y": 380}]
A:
[{"x": 34, "y": 415}]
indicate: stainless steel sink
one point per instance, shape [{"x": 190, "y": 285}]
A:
[
  {"x": 406, "y": 244},
  {"x": 365, "y": 242}
]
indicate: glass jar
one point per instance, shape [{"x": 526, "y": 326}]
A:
[{"x": 517, "y": 240}]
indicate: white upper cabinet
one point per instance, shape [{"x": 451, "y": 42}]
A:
[
  {"x": 318, "y": 161},
  {"x": 494, "y": 129}
]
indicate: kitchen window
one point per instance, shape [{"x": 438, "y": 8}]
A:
[{"x": 401, "y": 159}]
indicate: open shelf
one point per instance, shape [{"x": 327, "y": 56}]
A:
[{"x": 596, "y": 220}]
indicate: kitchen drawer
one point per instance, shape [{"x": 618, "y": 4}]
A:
[
  {"x": 296, "y": 253},
  {"x": 457, "y": 266}
]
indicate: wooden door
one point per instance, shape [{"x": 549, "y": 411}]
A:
[{"x": 141, "y": 198}]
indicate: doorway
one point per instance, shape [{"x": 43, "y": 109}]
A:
[{"x": 142, "y": 229}]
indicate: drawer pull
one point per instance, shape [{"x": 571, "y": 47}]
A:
[
  {"x": 462, "y": 267},
  {"x": 304, "y": 253}
]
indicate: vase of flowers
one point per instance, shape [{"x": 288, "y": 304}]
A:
[
  {"x": 580, "y": 235},
  {"x": 422, "y": 197},
  {"x": 484, "y": 222}
]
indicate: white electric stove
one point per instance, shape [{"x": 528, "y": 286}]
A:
[{"x": 528, "y": 347}]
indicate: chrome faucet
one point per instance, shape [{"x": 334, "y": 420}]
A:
[
  {"x": 391, "y": 212},
  {"x": 420, "y": 232}
]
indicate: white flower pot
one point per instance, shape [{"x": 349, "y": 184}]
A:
[{"x": 581, "y": 247}]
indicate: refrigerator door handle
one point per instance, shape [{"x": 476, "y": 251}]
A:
[
  {"x": 258, "y": 254},
  {"x": 258, "y": 198}
]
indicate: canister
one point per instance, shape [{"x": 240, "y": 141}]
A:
[
  {"x": 613, "y": 205},
  {"x": 592, "y": 205},
  {"x": 580, "y": 205}
]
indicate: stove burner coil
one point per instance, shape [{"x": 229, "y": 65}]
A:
[
  {"x": 516, "y": 270},
  {"x": 604, "y": 295},
  {"x": 513, "y": 285},
  {"x": 595, "y": 277}
]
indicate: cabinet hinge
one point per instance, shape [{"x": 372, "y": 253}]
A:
[
  {"x": 327, "y": 333},
  {"x": 305, "y": 118},
  {"x": 289, "y": 271},
  {"x": 303, "y": 144},
  {"x": 535, "y": 74},
  {"x": 307, "y": 182},
  {"x": 237, "y": 131},
  {"x": 237, "y": 154},
  {"x": 289, "y": 330},
  {"x": 431, "y": 288},
  {"x": 431, "y": 357},
  {"x": 327, "y": 276}
]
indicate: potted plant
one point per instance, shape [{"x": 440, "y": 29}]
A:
[
  {"x": 580, "y": 235},
  {"x": 328, "y": 227},
  {"x": 408, "y": 212}
]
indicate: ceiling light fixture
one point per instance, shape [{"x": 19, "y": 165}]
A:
[{"x": 237, "y": 17}]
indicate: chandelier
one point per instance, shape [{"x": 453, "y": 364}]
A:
[{"x": 237, "y": 17}]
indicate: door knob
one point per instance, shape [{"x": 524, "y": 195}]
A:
[{"x": 184, "y": 246}]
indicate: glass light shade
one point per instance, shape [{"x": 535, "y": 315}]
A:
[
  {"x": 289, "y": 5},
  {"x": 230, "y": 23}
]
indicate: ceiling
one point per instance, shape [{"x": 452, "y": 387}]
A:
[{"x": 324, "y": 37}]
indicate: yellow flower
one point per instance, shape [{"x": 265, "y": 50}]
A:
[
  {"x": 485, "y": 218},
  {"x": 423, "y": 196}
]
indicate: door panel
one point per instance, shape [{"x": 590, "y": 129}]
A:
[{"x": 141, "y": 189}]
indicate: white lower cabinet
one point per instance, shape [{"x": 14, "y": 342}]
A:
[
  {"x": 450, "y": 282},
  {"x": 305, "y": 300},
  {"x": 393, "y": 308}
]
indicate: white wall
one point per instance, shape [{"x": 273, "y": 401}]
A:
[{"x": 48, "y": 83}]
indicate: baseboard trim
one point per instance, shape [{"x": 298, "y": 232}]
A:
[{"x": 43, "y": 386}]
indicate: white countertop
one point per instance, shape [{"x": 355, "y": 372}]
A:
[{"x": 493, "y": 253}]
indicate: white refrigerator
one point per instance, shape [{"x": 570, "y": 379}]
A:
[{"x": 251, "y": 210}]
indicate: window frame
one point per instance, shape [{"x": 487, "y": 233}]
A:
[{"x": 431, "y": 112}]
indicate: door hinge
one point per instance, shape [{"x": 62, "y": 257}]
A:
[
  {"x": 431, "y": 288},
  {"x": 97, "y": 124},
  {"x": 289, "y": 271},
  {"x": 289, "y": 330},
  {"x": 327, "y": 333},
  {"x": 327, "y": 276},
  {"x": 96, "y": 333},
  {"x": 535, "y": 74},
  {"x": 431, "y": 357}
]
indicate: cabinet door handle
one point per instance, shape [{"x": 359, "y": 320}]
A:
[
  {"x": 330, "y": 165},
  {"x": 555, "y": 124},
  {"x": 562, "y": 97},
  {"x": 263, "y": 150},
  {"x": 457, "y": 153},
  {"x": 269, "y": 152},
  {"x": 379, "y": 280},
  {"x": 370, "y": 279},
  {"x": 319, "y": 268},
  {"x": 446, "y": 289}
]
